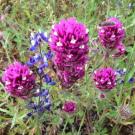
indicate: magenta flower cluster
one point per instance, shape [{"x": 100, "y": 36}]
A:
[
  {"x": 69, "y": 42},
  {"x": 69, "y": 107},
  {"x": 19, "y": 80},
  {"x": 111, "y": 34},
  {"x": 105, "y": 79}
]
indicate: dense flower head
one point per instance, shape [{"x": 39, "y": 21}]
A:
[
  {"x": 69, "y": 43},
  {"x": 69, "y": 107},
  {"x": 19, "y": 80},
  {"x": 105, "y": 78},
  {"x": 111, "y": 32}
]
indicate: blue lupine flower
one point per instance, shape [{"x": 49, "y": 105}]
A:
[
  {"x": 49, "y": 55},
  {"x": 44, "y": 104},
  {"x": 33, "y": 60},
  {"x": 44, "y": 36},
  {"x": 131, "y": 5},
  {"x": 43, "y": 93},
  {"x": 42, "y": 66},
  {"x": 45, "y": 100},
  {"x": 40, "y": 70},
  {"x": 29, "y": 114},
  {"x": 52, "y": 83},
  {"x": 32, "y": 48},
  {"x": 48, "y": 80},
  {"x": 32, "y": 105},
  {"x": 131, "y": 80},
  {"x": 121, "y": 81},
  {"x": 121, "y": 71},
  {"x": 36, "y": 39}
]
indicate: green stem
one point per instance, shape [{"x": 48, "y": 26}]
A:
[
  {"x": 38, "y": 132},
  {"x": 40, "y": 89},
  {"x": 82, "y": 121},
  {"x": 63, "y": 132}
]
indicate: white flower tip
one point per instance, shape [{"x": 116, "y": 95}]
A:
[
  {"x": 55, "y": 33},
  {"x": 45, "y": 59},
  {"x": 97, "y": 83},
  {"x": 95, "y": 72},
  {"x": 113, "y": 36},
  {"x": 82, "y": 47},
  {"x": 102, "y": 31},
  {"x": 59, "y": 43},
  {"x": 38, "y": 90},
  {"x": 24, "y": 78},
  {"x": 124, "y": 69},
  {"x": 32, "y": 42},
  {"x": 69, "y": 56},
  {"x": 50, "y": 40},
  {"x": 101, "y": 80},
  {"x": 32, "y": 34},
  {"x": 123, "y": 49},
  {"x": 20, "y": 87},
  {"x": 73, "y": 41},
  {"x": 87, "y": 31},
  {"x": 45, "y": 34},
  {"x": 115, "y": 73},
  {"x": 52, "y": 26},
  {"x": 109, "y": 83},
  {"x": 7, "y": 82},
  {"x": 31, "y": 73}
]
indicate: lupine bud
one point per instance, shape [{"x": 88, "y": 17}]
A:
[{"x": 69, "y": 107}]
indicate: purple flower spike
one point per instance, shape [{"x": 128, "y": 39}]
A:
[
  {"x": 111, "y": 32},
  {"x": 69, "y": 44},
  {"x": 69, "y": 107},
  {"x": 105, "y": 79},
  {"x": 19, "y": 80}
]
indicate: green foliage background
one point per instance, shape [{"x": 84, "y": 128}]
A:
[{"x": 25, "y": 16}]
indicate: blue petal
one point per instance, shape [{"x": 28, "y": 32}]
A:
[
  {"x": 49, "y": 55},
  {"x": 32, "y": 48},
  {"x": 52, "y": 83},
  {"x": 40, "y": 71},
  {"x": 44, "y": 37},
  {"x": 47, "y": 78},
  {"x": 29, "y": 114},
  {"x": 131, "y": 80},
  {"x": 44, "y": 93}
]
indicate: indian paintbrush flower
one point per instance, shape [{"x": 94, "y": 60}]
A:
[
  {"x": 111, "y": 34},
  {"x": 69, "y": 43},
  {"x": 19, "y": 80},
  {"x": 69, "y": 107},
  {"x": 105, "y": 79}
]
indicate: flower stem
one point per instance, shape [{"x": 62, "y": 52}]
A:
[{"x": 63, "y": 132}]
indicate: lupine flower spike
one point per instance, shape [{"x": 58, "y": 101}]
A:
[{"x": 40, "y": 62}]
